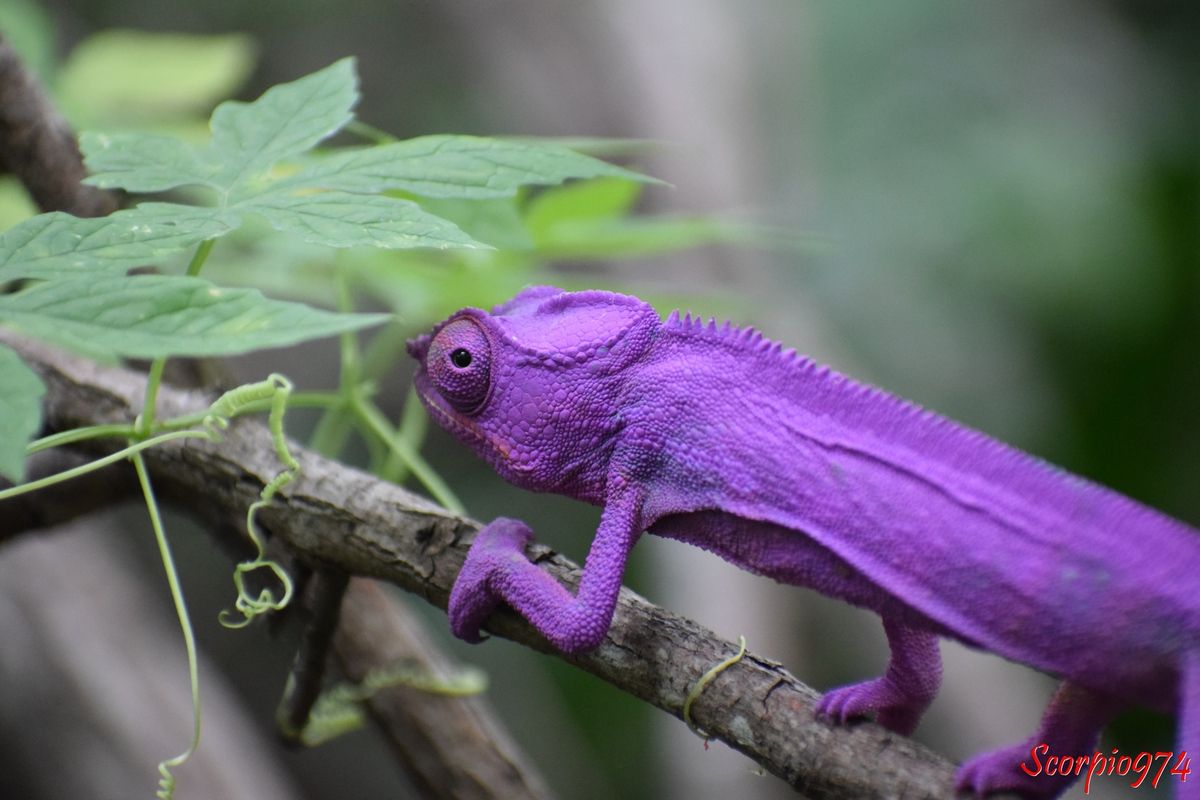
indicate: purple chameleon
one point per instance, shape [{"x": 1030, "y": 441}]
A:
[{"x": 721, "y": 438}]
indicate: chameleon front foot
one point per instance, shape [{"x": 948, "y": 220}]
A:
[
  {"x": 894, "y": 708},
  {"x": 473, "y": 597}
]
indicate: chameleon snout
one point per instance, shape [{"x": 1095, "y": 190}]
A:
[{"x": 418, "y": 346}]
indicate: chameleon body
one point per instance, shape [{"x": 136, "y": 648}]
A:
[{"x": 718, "y": 437}]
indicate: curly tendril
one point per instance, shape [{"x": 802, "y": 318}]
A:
[{"x": 277, "y": 389}]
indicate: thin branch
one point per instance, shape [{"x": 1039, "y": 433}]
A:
[
  {"x": 326, "y": 588},
  {"x": 342, "y": 517},
  {"x": 451, "y": 746},
  {"x": 38, "y": 146}
]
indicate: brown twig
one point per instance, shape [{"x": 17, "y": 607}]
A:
[
  {"x": 339, "y": 516},
  {"x": 445, "y": 743},
  {"x": 324, "y": 593},
  {"x": 38, "y": 146}
]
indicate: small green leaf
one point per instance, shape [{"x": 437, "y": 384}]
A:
[
  {"x": 155, "y": 316},
  {"x": 288, "y": 119},
  {"x": 57, "y": 245},
  {"x": 603, "y": 198},
  {"x": 340, "y": 219},
  {"x": 139, "y": 162},
  {"x": 20, "y": 412},
  {"x": 124, "y": 77},
  {"x": 455, "y": 166},
  {"x": 640, "y": 236}
]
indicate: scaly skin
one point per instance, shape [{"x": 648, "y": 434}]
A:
[{"x": 723, "y": 439}]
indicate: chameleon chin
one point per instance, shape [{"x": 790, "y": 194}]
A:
[{"x": 716, "y": 436}]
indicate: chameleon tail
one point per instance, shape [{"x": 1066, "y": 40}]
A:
[{"x": 1188, "y": 738}]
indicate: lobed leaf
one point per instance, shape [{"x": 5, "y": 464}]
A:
[
  {"x": 20, "y": 412},
  {"x": 247, "y": 138},
  {"x": 467, "y": 167},
  {"x": 155, "y": 316},
  {"x": 341, "y": 219},
  {"x": 58, "y": 245},
  {"x": 139, "y": 162}
]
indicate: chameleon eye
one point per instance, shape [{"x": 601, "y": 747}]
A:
[{"x": 459, "y": 364}]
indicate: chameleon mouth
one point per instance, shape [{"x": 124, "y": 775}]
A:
[
  {"x": 437, "y": 408},
  {"x": 464, "y": 429}
]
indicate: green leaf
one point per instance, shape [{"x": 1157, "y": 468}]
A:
[
  {"x": 288, "y": 119},
  {"x": 340, "y": 219},
  {"x": 20, "y": 412},
  {"x": 57, "y": 245},
  {"x": 139, "y": 162},
  {"x": 603, "y": 198},
  {"x": 641, "y": 236},
  {"x": 455, "y": 166},
  {"x": 155, "y": 316},
  {"x": 123, "y": 77},
  {"x": 496, "y": 222}
]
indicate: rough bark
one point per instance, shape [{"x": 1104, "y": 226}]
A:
[{"x": 337, "y": 516}]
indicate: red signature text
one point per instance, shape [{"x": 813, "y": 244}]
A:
[{"x": 1143, "y": 766}]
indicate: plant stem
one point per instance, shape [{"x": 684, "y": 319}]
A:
[
  {"x": 78, "y": 435},
  {"x": 145, "y": 420},
  {"x": 369, "y": 132},
  {"x": 297, "y": 400},
  {"x": 329, "y": 436},
  {"x": 91, "y": 466},
  {"x": 373, "y": 419},
  {"x": 201, "y": 255},
  {"x": 413, "y": 425},
  {"x": 189, "y": 639}
]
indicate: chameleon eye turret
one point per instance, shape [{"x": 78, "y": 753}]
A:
[{"x": 459, "y": 365}]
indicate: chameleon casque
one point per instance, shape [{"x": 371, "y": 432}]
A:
[{"x": 718, "y": 437}]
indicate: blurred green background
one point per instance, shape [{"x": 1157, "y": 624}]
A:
[{"x": 992, "y": 209}]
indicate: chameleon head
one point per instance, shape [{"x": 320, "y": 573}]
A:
[{"x": 531, "y": 386}]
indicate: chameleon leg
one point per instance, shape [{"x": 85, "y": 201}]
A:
[
  {"x": 904, "y": 691},
  {"x": 1069, "y": 727},
  {"x": 497, "y": 571}
]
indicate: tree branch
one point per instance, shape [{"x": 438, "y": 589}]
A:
[
  {"x": 38, "y": 146},
  {"x": 339, "y": 516}
]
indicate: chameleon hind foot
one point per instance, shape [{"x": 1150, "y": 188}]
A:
[
  {"x": 894, "y": 709},
  {"x": 1000, "y": 771},
  {"x": 1070, "y": 726},
  {"x": 900, "y": 697}
]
